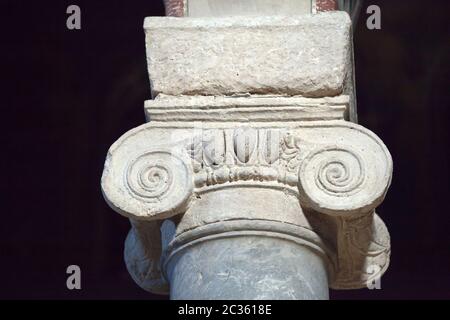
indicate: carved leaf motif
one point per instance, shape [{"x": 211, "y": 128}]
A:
[
  {"x": 213, "y": 147},
  {"x": 291, "y": 152},
  {"x": 195, "y": 152}
]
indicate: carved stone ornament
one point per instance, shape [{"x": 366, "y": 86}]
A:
[{"x": 249, "y": 177}]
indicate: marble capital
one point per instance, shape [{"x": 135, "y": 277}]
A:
[
  {"x": 249, "y": 141},
  {"x": 323, "y": 176}
]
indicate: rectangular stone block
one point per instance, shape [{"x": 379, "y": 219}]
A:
[{"x": 306, "y": 55}]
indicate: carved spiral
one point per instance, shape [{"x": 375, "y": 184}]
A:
[
  {"x": 340, "y": 173},
  {"x": 161, "y": 180},
  {"x": 331, "y": 180}
]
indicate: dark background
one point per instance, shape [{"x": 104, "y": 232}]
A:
[{"x": 68, "y": 95}]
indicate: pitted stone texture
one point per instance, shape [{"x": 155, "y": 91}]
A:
[{"x": 304, "y": 55}]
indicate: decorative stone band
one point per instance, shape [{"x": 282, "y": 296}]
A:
[
  {"x": 245, "y": 108},
  {"x": 335, "y": 167}
]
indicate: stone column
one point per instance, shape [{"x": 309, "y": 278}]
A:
[{"x": 250, "y": 179}]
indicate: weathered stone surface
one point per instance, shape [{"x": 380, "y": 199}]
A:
[{"x": 304, "y": 55}]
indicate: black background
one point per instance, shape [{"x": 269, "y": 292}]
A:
[{"x": 68, "y": 95}]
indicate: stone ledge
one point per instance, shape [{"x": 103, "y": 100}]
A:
[{"x": 243, "y": 109}]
